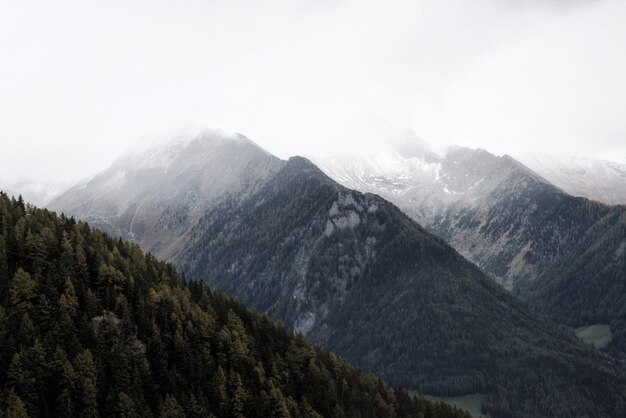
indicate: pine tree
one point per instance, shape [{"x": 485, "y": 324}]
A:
[
  {"x": 20, "y": 378},
  {"x": 238, "y": 399},
  {"x": 125, "y": 407},
  {"x": 171, "y": 408},
  {"x": 16, "y": 408},
  {"x": 65, "y": 402},
  {"x": 89, "y": 399},
  {"x": 278, "y": 405},
  {"x": 86, "y": 381},
  {"x": 23, "y": 291},
  {"x": 36, "y": 254},
  {"x": 68, "y": 299}
]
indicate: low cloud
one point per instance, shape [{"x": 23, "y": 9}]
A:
[{"x": 80, "y": 81}]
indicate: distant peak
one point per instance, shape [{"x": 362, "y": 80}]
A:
[
  {"x": 162, "y": 150},
  {"x": 298, "y": 162},
  {"x": 300, "y": 165},
  {"x": 409, "y": 145}
]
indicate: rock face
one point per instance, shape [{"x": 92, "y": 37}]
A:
[
  {"x": 353, "y": 272},
  {"x": 155, "y": 197},
  {"x": 563, "y": 254}
]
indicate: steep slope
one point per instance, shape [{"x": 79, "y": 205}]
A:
[
  {"x": 90, "y": 326},
  {"x": 603, "y": 181},
  {"x": 155, "y": 196},
  {"x": 479, "y": 203},
  {"x": 562, "y": 254},
  {"x": 353, "y": 273}
]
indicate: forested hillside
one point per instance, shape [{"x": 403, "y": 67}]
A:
[
  {"x": 588, "y": 286},
  {"x": 354, "y": 273},
  {"x": 91, "y": 326}
]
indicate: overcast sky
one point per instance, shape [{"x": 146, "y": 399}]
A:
[{"x": 81, "y": 80}]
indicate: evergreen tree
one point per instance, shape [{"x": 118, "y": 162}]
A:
[
  {"x": 68, "y": 299},
  {"x": 171, "y": 408},
  {"x": 23, "y": 291},
  {"x": 16, "y": 408},
  {"x": 125, "y": 407}
]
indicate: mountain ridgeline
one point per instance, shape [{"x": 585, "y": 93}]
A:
[
  {"x": 155, "y": 196},
  {"x": 92, "y": 327},
  {"x": 562, "y": 254},
  {"x": 354, "y": 273},
  {"x": 599, "y": 180}
]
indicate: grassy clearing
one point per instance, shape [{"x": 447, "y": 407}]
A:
[{"x": 599, "y": 335}]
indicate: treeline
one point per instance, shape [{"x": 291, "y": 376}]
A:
[{"x": 91, "y": 326}]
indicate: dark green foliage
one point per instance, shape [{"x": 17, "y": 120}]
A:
[
  {"x": 395, "y": 300},
  {"x": 92, "y": 327},
  {"x": 587, "y": 285}
]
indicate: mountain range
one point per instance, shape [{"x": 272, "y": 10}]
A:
[
  {"x": 354, "y": 273},
  {"x": 562, "y": 254},
  {"x": 93, "y": 327},
  {"x": 600, "y": 180}
]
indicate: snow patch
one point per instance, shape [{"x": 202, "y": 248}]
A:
[{"x": 446, "y": 190}]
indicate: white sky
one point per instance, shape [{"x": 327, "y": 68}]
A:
[{"x": 81, "y": 80}]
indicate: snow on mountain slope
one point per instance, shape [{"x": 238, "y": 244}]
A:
[
  {"x": 462, "y": 196},
  {"x": 36, "y": 193},
  {"x": 155, "y": 195},
  {"x": 551, "y": 248},
  {"x": 600, "y": 180}
]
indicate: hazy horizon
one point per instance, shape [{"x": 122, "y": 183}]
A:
[{"x": 82, "y": 81}]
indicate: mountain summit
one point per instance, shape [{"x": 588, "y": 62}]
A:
[{"x": 155, "y": 196}]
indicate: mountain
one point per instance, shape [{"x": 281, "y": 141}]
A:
[
  {"x": 354, "y": 273},
  {"x": 603, "y": 181},
  {"x": 481, "y": 204},
  {"x": 562, "y": 254},
  {"x": 90, "y": 326},
  {"x": 36, "y": 193},
  {"x": 155, "y": 196}
]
